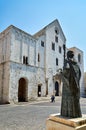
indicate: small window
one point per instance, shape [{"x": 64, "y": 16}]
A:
[
  {"x": 53, "y": 46},
  {"x": 56, "y": 61},
  {"x": 26, "y": 60},
  {"x": 38, "y": 57},
  {"x": 23, "y": 59},
  {"x": 42, "y": 43},
  {"x": 60, "y": 49},
  {"x": 56, "y": 39},
  {"x": 79, "y": 58},
  {"x": 56, "y": 30}
]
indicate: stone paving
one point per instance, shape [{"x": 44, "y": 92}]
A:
[{"x": 32, "y": 115}]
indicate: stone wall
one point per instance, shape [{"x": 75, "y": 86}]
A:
[
  {"x": 33, "y": 75},
  {"x": 22, "y": 45},
  {"x": 5, "y": 40},
  {"x": 40, "y": 50},
  {"x": 4, "y": 82},
  {"x": 51, "y": 55}
]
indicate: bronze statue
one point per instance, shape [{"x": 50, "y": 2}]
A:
[{"x": 71, "y": 74}]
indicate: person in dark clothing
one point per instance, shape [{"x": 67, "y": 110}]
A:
[{"x": 52, "y": 98}]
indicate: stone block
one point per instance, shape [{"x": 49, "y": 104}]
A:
[{"x": 57, "y": 122}]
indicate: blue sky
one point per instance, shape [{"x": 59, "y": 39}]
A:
[{"x": 32, "y": 15}]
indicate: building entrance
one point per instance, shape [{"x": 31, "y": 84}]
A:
[
  {"x": 46, "y": 87},
  {"x": 39, "y": 90},
  {"x": 22, "y": 90},
  {"x": 56, "y": 88}
]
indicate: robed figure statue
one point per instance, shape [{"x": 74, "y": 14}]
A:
[{"x": 70, "y": 106}]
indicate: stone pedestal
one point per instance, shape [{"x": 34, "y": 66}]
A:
[{"x": 57, "y": 122}]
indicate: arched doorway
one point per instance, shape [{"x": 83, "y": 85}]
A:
[
  {"x": 56, "y": 88},
  {"x": 23, "y": 90},
  {"x": 46, "y": 87},
  {"x": 39, "y": 90}
]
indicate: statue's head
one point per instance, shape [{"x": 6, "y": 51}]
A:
[{"x": 70, "y": 54}]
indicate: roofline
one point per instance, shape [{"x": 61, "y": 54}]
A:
[
  {"x": 12, "y": 26},
  {"x": 7, "y": 28},
  {"x": 61, "y": 28},
  {"x": 43, "y": 29},
  {"x": 76, "y": 48}
]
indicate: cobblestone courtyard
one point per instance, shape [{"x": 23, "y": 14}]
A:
[{"x": 30, "y": 116}]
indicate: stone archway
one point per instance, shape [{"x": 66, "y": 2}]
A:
[{"x": 23, "y": 90}]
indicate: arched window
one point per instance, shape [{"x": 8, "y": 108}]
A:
[
  {"x": 79, "y": 58},
  {"x": 25, "y": 60}
]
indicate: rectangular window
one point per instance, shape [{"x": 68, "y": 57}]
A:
[
  {"x": 23, "y": 59},
  {"x": 53, "y": 46},
  {"x": 38, "y": 57},
  {"x": 42, "y": 43},
  {"x": 56, "y": 39},
  {"x": 60, "y": 49},
  {"x": 26, "y": 60},
  {"x": 56, "y": 61}
]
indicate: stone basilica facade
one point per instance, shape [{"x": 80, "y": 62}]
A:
[{"x": 29, "y": 64}]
